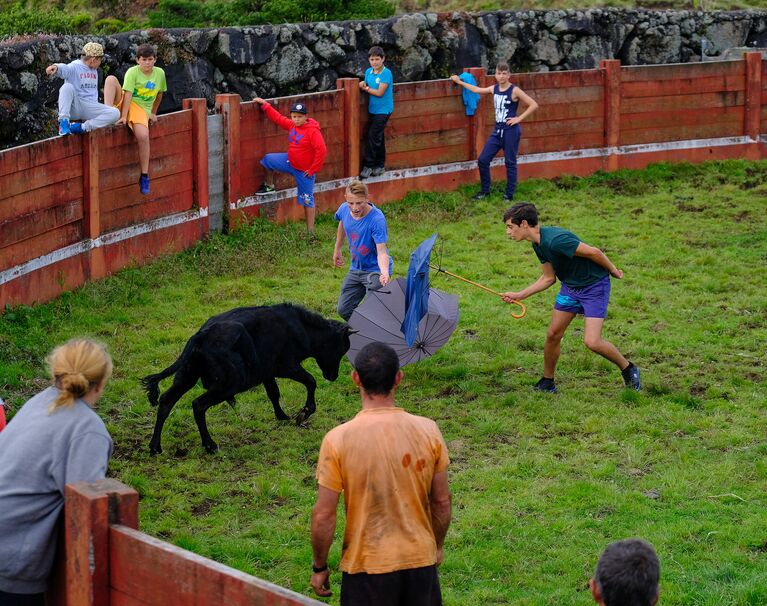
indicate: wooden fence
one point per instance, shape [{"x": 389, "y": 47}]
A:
[
  {"x": 104, "y": 560},
  {"x": 70, "y": 210}
]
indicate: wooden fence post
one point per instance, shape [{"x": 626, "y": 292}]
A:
[
  {"x": 200, "y": 195},
  {"x": 229, "y": 106},
  {"x": 92, "y": 141},
  {"x": 611, "y": 68},
  {"x": 753, "y": 104},
  {"x": 81, "y": 571},
  {"x": 477, "y": 122},
  {"x": 351, "y": 122}
]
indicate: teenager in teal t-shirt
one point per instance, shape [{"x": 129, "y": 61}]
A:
[
  {"x": 585, "y": 275},
  {"x": 379, "y": 85}
]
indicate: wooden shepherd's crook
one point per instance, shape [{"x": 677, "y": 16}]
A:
[{"x": 513, "y": 315}]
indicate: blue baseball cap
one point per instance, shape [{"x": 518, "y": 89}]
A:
[{"x": 298, "y": 108}]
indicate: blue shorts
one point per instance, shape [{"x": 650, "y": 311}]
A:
[
  {"x": 591, "y": 300},
  {"x": 305, "y": 185}
]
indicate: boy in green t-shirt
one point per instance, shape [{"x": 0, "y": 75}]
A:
[
  {"x": 138, "y": 100},
  {"x": 585, "y": 275}
]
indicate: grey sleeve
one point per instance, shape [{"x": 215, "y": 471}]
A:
[
  {"x": 62, "y": 71},
  {"x": 87, "y": 458}
]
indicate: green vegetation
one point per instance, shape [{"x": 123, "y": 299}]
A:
[
  {"x": 24, "y": 17},
  {"x": 540, "y": 483}
]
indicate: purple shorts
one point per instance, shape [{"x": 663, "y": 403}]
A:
[{"x": 591, "y": 301}]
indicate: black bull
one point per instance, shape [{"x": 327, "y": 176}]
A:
[{"x": 243, "y": 347}]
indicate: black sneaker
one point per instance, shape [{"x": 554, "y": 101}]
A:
[
  {"x": 265, "y": 189},
  {"x": 546, "y": 385},
  {"x": 480, "y": 196},
  {"x": 366, "y": 172},
  {"x": 508, "y": 198},
  {"x": 631, "y": 377},
  {"x": 377, "y": 172}
]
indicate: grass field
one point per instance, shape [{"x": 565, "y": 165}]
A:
[{"x": 540, "y": 483}]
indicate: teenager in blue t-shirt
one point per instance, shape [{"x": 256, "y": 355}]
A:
[
  {"x": 506, "y": 132},
  {"x": 379, "y": 84},
  {"x": 364, "y": 226},
  {"x": 585, "y": 275}
]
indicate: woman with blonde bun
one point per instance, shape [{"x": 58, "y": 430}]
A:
[{"x": 55, "y": 438}]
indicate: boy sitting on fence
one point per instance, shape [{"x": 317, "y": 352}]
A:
[
  {"x": 79, "y": 95},
  {"x": 304, "y": 159},
  {"x": 138, "y": 100}
]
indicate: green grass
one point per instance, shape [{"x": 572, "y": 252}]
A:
[{"x": 540, "y": 483}]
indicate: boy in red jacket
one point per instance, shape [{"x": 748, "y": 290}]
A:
[{"x": 306, "y": 154}]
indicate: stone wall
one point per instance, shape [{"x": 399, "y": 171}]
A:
[{"x": 278, "y": 60}]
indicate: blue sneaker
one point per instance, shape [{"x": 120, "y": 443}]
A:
[
  {"x": 545, "y": 385},
  {"x": 143, "y": 184},
  {"x": 76, "y": 128},
  {"x": 64, "y": 128},
  {"x": 631, "y": 377}
]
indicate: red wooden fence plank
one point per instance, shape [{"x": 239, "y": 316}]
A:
[
  {"x": 554, "y": 128},
  {"x": 576, "y": 78},
  {"x": 127, "y": 155},
  {"x": 679, "y": 71},
  {"x": 129, "y": 195},
  {"x": 689, "y": 117},
  {"x": 157, "y": 573},
  {"x": 36, "y": 246},
  {"x": 44, "y": 197},
  {"x": 698, "y": 100},
  {"x": 40, "y": 176},
  {"x": 684, "y": 86},
  {"x": 429, "y": 107},
  {"x": 416, "y": 124},
  {"x": 165, "y": 166},
  {"x": 567, "y": 111},
  {"x": 408, "y": 91},
  {"x": 426, "y": 157},
  {"x": 32, "y": 224},
  {"x": 679, "y": 133},
  {"x": 535, "y": 145},
  {"x": 158, "y": 207},
  {"x": 32, "y": 155},
  {"x": 426, "y": 140}
]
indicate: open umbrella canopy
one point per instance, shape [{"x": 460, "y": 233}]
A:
[
  {"x": 380, "y": 316},
  {"x": 417, "y": 291}
]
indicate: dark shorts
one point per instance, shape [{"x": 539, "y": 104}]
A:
[
  {"x": 591, "y": 301},
  {"x": 412, "y": 587},
  {"x": 22, "y": 599}
]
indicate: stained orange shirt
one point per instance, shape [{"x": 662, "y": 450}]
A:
[{"x": 383, "y": 461}]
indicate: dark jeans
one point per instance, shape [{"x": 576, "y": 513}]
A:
[
  {"x": 375, "y": 149},
  {"x": 413, "y": 587},
  {"x": 22, "y": 599},
  {"x": 506, "y": 139}
]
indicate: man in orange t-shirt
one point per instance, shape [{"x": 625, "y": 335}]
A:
[{"x": 392, "y": 468}]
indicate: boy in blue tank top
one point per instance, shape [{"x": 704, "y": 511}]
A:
[
  {"x": 364, "y": 226},
  {"x": 506, "y": 133},
  {"x": 585, "y": 275}
]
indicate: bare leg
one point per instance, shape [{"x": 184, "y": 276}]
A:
[
  {"x": 309, "y": 212},
  {"x": 142, "y": 137},
  {"x": 592, "y": 338},
  {"x": 112, "y": 91},
  {"x": 560, "y": 320},
  {"x": 269, "y": 178}
]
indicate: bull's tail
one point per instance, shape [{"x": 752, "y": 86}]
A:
[{"x": 151, "y": 383}]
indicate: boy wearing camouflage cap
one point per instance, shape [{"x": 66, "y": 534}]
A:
[{"x": 78, "y": 96}]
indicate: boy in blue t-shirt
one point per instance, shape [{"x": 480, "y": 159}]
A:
[
  {"x": 379, "y": 84},
  {"x": 365, "y": 227},
  {"x": 585, "y": 275}
]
